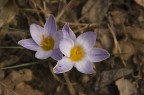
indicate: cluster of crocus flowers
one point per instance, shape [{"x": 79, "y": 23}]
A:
[{"x": 78, "y": 52}]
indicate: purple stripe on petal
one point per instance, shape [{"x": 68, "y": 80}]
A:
[
  {"x": 87, "y": 40},
  {"x": 36, "y": 33},
  {"x": 29, "y": 44},
  {"x": 63, "y": 65},
  {"x": 97, "y": 55},
  {"x": 84, "y": 66},
  {"x": 41, "y": 54},
  {"x": 68, "y": 33},
  {"x": 50, "y": 25},
  {"x": 57, "y": 55}
]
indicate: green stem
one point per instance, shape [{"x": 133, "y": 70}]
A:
[
  {"x": 22, "y": 65},
  {"x": 14, "y": 47}
]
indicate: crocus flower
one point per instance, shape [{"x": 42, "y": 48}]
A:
[
  {"x": 79, "y": 52},
  {"x": 45, "y": 41}
]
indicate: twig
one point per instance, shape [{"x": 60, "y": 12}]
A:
[
  {"x": 93, "y": 25},
  {"x": 55, "y": 76},
  {"x": 22, "y": 65},
  {"x": 86, "y": 13},
  {"x": 70, "y": 87},
  {"x": 13, "y": 47},
  {"x": 116, "y": 43},
  {"x": 65, "y": 9}
]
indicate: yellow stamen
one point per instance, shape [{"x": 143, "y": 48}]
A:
[
  {"x": 77, "y": 53},
  {"x": 47, "y": 43}
]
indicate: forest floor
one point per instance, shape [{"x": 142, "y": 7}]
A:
[{"x": 119, "y": 25}]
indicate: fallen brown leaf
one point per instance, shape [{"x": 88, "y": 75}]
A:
[
  {"x": 140, "y": 2},
  {"x": 135, "y": 33},
  {"x": 108, "y": 77},
  {"x": 8, "y": 12},
  {"x": 127, "y": 48},
  {"x": 95, "y": 10},
  {"x": 126, "y": 87}
]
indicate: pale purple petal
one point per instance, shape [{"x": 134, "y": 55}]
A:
[
  {"x": 85, "y": 67},
  {"x": 63, "y": 65},
  {"x": 29, "y": 44},
  {"x": 56, "y": 54},
  {"x": 66, "y": 46},
  {"x": 50, "y": 25},
  {"x": 97, "y": 55},
  {"x": 41, "y": 54},
  {"x": 57, "y": 37},
  {"x": 36, "y": 33},
  {"x": 68, "y": 33},
  {"x": 87, "y": 40},
  {"x": 60, "y": 34}
]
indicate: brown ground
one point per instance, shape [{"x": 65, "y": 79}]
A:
[{"x": 119, "y": 25}]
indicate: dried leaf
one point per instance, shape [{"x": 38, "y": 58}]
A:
[
  {"x": 14, "y": 84},
  {"x": 3, "y": 3},
  {"x": 95, "y": 10},
  {"x": 26, "y": 74},
  {"x": 118, "y": 17},
  {"x": 136, "y": 33},
  {"x": 108, "y": 77},
  {"x": 8, "y": 13},
  {"x": 24, "y": 89},
  {"x": 2, "y": 74},
  {"x": 127, "y": 48},
  {"x": 126, "y": 87},
  {"x": 105, "y": 39},
  {"x": 9, "y": 61},
  {"x": 138, "y": 57},
  {"x": 140, "y": 2}
]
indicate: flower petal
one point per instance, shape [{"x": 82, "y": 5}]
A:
[
  {"x": 36, "y": 33},
  {"x": 41, "y": 54},
  {"x": 60, "y": 34},
  {"x": 63, "y": 65},
  {"x": 87, "y": 40},
  {"x": 97, "y": 54},
  {"x": 57, "y": 55},
  {"x": 68, "y": 33},
  {"x": 85, "y": 67},
  {"x": 57, "y": 37},
  {"x": 29, "y": 44},
  {"x": 65, "y": 46},
  {"x": 50, "y": 25}
]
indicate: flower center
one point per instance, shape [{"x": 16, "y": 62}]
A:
[
  {"x": 47, "y": 43},
  {"x": 76, "y": 53}
]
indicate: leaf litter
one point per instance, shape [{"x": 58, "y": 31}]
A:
[{"x": 119, "y": 25}]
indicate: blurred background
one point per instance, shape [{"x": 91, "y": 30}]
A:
[{"x": 119, "y": 25}]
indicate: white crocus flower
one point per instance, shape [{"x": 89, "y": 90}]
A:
[
  {"x": 45, "y": 41},
  {"x": 79, "y": 52}
]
